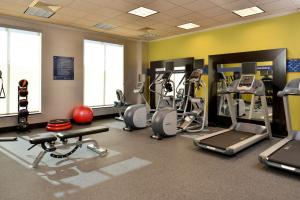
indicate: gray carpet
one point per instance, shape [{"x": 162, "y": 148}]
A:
[{"x": 147, "y": 169}]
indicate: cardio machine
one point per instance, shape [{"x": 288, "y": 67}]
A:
[
  {"x": 240, "y": 135},
  {"x": 120, "y": 104},
  {"x": 285, "y": 153},
  {"x": 164, "y": 120},
  {"x": 194, "y": 115},
  {"x": 136, "y": 116}
]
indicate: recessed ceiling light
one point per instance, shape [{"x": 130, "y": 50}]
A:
[
  {"x": 104, "y": 26},
  {"x": 142, "y": 12},
  {"x": 248, "y": 11},
  {"x": 41, "y": 9},
  {"x": 188, "y": 26}
]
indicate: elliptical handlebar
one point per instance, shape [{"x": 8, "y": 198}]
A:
[{"x": 161, "y": 80}]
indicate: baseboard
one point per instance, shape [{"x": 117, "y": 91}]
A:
[{"x": 44, "y": 124}]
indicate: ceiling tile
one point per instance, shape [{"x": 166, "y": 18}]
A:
[
  {"x": 127, "y": 18},
  {"x": 10, "y": 6},
  {"x": 237, "y": 5},
  {"x": 85, "y": 6},
  {"x": 193, "y": 17},
  {"x": 120, "y": 5},
  {"x": 208, "y": 22},
  {"x": 19, "y": 2},
  {"x": 114, "y": 22},
  {"x": 181, "y": 2},
  {"x": 228, "y": 18},
  {"x": 140, "y": 2},
  {"x": 221, "y": 2},
  {"x": 108, "y": 12},
  {"x": 133, "y": 26},
  {"x": 60, "y": 17},
  {"x": 215, "y": 11},
  {"x": 277, "y": 5},
  {"x": 260, "y": 2},
  {"x": 206, "y": 13},
  {"x": 71, "y": 12},
  {"x": 161, "y": 5},
  {"x": 199, "y": 5},
  {"x": 57, "y": 2},
  {"x": 84, "y": 22},
  {"x": 93, "y": 17},
  {"x": 178, "y": 12}
]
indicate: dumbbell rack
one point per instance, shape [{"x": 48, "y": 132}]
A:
[{"x": 22, "y": 119}]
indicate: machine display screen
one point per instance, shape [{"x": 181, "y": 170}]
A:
[
  {"x": 196, "y": 74},
  {"x": 246, "y": 81}
]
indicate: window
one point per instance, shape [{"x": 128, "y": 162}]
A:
[
  {"x": 20, "y": 58},
  {"x": 103, "y": 72}
]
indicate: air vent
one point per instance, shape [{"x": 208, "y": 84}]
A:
[
  {"x": 148, "y": 33},
  {"x": 104, "y": 26},
  {"x": 41, "y": 9}
]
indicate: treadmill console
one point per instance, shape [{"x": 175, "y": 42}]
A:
[
  {"x": 246, "y": 82},
  {"x": 139, "y": 88}
]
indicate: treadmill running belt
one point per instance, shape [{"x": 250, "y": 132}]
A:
[
  {"x": 224, "y": 140},
  {"x": 288, "y": 154}
]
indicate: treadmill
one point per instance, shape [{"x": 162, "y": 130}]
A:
[
  {"x": 285, "y": 153},
  {"x": 239, "y": 135}
]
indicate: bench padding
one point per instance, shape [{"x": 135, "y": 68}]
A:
[
  {"x": 82, "y": 132},
  {"x": 42, "y": 139}
]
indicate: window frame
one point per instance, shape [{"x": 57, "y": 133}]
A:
[
  {"x": 104, "y": 81},
  {"x": 7, "y": 28}
]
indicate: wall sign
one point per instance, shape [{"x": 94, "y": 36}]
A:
[
  {"x": 293, "y": 65},
  {"x": 63, "y": 68}
]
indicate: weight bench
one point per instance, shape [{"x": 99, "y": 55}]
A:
[{"x": 48, "y": 143}]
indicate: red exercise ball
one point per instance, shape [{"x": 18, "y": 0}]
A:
[{"x": 83, "y": 115}]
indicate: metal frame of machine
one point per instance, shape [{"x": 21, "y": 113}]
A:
[
  {"x": 194, "y": 116},
  {"x": 240, "y": 135},
  {"x": 285, "y": 153}
]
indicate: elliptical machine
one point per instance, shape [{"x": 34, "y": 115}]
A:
[
  {"x": 194, "y": 115},
  {"x": 164, "y": 120},
  {"x": 136, "y": 116}
]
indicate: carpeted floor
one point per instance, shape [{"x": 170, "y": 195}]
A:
[{"x": 148, "y": 169}]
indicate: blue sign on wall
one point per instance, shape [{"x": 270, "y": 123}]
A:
[
  {"x": 293, "y": 65},
  {"x": 63, "y": 68}
]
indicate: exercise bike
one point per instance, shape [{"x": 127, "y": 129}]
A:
[{"x": 120, "y": 105}]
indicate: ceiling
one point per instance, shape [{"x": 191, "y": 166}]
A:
[{"x": 171, "y": 13}]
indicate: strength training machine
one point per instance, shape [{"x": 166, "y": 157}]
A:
[
  {"x": 240, "y": 135},
  {"x": 285, "y": 153},
  {"x": 48, "y": 143}
]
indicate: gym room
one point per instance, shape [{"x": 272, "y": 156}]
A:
[{"x": 117, "y": 99}]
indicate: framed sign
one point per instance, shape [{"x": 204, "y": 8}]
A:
[{"x": 63, "y": 68}]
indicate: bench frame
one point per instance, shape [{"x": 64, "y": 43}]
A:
[{"x": 52, "y": 145}]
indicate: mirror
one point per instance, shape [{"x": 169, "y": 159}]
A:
[
  {"x": 177, "y": 74},
  {"x": 247, "y": 106}
]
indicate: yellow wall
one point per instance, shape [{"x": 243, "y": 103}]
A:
[{"x": 279, "y": 32}]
